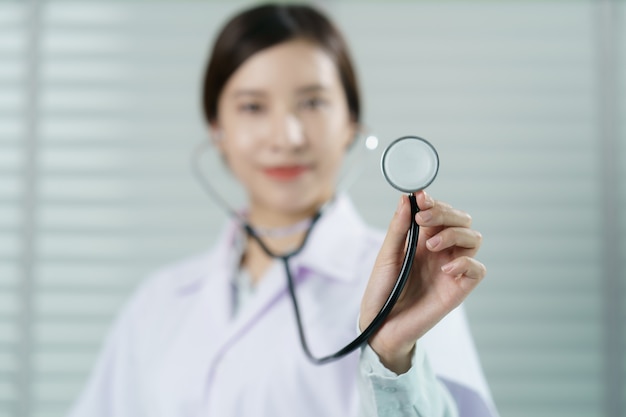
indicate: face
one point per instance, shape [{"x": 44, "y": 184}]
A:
[{"x": 284, "y": 126}]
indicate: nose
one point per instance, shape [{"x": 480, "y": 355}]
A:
[{"x": 288, "y": 131}]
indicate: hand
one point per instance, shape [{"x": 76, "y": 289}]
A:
[{"x": 444, "y": 272}]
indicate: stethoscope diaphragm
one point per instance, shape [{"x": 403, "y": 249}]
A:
[{"x": 410, "y": 164}]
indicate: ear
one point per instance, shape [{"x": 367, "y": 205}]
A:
[
  {"x": 216, "y": 135},
  {"x": 355, "y": 132}
]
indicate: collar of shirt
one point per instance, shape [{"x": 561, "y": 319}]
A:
[
  {"x": 332, "y": 250},
  {"x": 336, "y": 242},
  {"x": 333, "y": 247}
]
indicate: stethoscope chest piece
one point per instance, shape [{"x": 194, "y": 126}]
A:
[{"x": 410, "y": 164}]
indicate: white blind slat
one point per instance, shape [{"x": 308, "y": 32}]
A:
[{"x": 12, "y": 103}]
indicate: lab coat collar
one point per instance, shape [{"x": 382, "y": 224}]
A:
[{"x": 333, "y": 248}]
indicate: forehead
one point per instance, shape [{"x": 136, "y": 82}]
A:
[{"x": 284, "y": 67}]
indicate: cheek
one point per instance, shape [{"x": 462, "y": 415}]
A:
[
  {"x": 243, "y": 135},
  {"x": 332, "y": 128},
  {"x": 336, "y": 138},
  {"x": 237, "y": 155},
  {"x": 236, "y": 146}
]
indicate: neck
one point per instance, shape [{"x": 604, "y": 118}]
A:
[
  {"x": 284, "y": 231},
  {"x": 281, "y": 233},
  {"x": 267, "y": 221},
  {"x": 261, "y": 219},
  {"x": 256, "y": 260}
]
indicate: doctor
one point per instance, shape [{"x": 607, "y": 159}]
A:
[{"x": 215, "y": 334}]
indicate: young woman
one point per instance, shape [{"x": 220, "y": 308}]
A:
[{"x": 215, "y": 335}]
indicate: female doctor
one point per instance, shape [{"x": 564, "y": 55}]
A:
[{"x": 215, "y": 335}]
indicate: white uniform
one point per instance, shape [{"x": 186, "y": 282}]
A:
[{"x": 177, "y": 349}]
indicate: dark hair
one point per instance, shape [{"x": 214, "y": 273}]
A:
[{"x": 267, "y": 25}]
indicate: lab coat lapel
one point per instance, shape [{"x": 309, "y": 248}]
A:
[
  {"x": 211, "y": 320},
  {"x": 269, "y": 291},
  {"x": 330, "y": 251},
  {"x": 334, "y": 245}
]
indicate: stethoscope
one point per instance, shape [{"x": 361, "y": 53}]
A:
[{"x": 409, "y": 164}]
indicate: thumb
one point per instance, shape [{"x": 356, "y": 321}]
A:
[
  {"x": 388, "y": 262},
  {"x": 392, "y": 250}
]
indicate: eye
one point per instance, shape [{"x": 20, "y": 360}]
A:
[
  {"x": 251, "y": 107},
  {"x": 312, "y": 103}
]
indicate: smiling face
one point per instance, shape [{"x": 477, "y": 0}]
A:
[{"x": 285, "y": 125}]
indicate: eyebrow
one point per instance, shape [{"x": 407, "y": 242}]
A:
[
  {"x": 248, "y": 92},
  {"x": 312, "y": 88}
]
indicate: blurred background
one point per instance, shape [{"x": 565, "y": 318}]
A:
[{"x": 525, "y": 101}]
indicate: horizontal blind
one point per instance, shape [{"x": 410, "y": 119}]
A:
[
  {"x": 119, "y": 116},
  {"x": 13, "y": 98},
  {"x": 621, "y": 168},
  {"x": 505, "y": 91}
]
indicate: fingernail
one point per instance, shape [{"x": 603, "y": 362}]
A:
[
  {"x": 433, "y": 242},
  {"x": 425, "y": 215},
  {"x": 399, "y": 203},
  {"x": 447, "y": 268},
  {"x": 429, "y": 200}
]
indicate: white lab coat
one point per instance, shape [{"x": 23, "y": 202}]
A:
[{"x": 177, "y": 351}]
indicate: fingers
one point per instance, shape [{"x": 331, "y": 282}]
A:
[
  {"x": 442, "y": 214},
  {"x": 455, "y": 225},
  {"x": 465, "y": 266},
  {"x": 423, "y": 200},
  {"x": 455, "y": 236}
]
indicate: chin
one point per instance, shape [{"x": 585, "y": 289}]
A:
[{"x": 294, "y": 203}]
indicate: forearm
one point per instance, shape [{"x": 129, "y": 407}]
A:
[{"x": 415, "y": 393}]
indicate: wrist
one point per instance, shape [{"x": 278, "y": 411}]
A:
[{"x": 398, "y": 361}]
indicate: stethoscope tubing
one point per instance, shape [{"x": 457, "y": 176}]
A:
[
  {"x": 386, "y": 308},
  {"x": 377, "y": 322}
]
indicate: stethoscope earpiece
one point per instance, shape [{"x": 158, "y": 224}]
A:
[{"x": 410, "y": 164}]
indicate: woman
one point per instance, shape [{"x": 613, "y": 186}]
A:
[{"x": 215, "y": 335}]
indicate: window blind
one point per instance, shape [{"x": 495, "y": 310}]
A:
[
  {"x": 119, "y": 115},
  {"x": 99, "y": 138},
  {"x": 12, "y": 126},
  {"x": 507, "y": 93},
  {"x": 621, "y": 134}
]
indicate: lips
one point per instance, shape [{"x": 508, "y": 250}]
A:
[{"x": 285, "y": 173}]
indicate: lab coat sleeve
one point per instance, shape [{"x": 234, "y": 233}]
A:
[
  {"x": 453, "y": 356},
  {"x": 112, "y": 388},
  {"x": 418, "y": 392}
]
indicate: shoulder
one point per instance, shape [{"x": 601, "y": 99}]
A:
[
  {"x": 162, "y": 292},
  {"x": 178, "y": 277},
  {"x": 173, "y": 287},
  {"x": 186, "y": 276}
]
